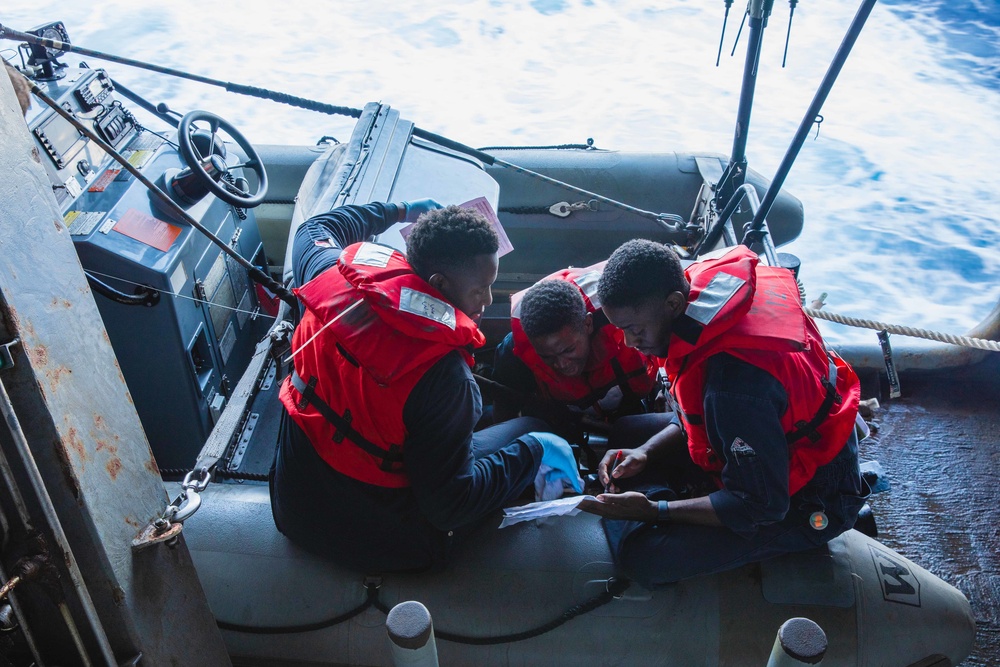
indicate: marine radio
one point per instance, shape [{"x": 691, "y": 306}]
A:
[{"x": 95, "y": 92}]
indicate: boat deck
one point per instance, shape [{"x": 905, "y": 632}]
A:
[
  {"x": 939, "y": 447},
  {"x": 940, "y": 450}
]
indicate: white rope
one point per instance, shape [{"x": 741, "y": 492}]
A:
[
  {"x": 323, "y": 328},
  {"x": 964, "y": 341}
]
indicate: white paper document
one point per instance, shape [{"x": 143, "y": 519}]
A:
[
  {"x": 567, "y": 506},
  {"x": 481, "y": 204}
]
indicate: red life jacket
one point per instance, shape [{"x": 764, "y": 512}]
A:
[
  {"x": 754, "y": 313},
  {"x": 370, "y": 331},
  {"x": 611, "y": 362}
]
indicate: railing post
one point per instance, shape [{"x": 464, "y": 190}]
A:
[{"x": 411, "y": 633}]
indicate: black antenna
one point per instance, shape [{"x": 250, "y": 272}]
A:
[
  {"x": 740, "y": 31},
  {"x": 788, "y": 34},
  {"x": 735, "y": 173},
  {"x": 811, "y": 115},
  {"x": 722, "y": 37}
]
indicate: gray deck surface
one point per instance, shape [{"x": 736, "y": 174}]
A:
[{"x": 940, "y": 447}]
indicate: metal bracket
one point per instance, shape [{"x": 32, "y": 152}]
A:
[
  {"x": 563, "y": 209},
  {"x": 890, "y": 366},
  {"x": 6, "y": 356},
  {"x": 156, "y": 532},
  {"x": 244, "y": 443}
]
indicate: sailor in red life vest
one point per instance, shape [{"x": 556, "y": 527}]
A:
[
  {"x": 377, "y": 464},
  {"x": 768, "y": 417},
  {"x": 563, "y": 350}
]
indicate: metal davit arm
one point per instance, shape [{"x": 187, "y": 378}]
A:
[{"x": 723, "y": 224}]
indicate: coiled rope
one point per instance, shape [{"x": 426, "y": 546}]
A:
[{"x": 964, "y": 341}]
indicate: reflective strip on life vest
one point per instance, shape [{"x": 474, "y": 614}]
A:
[
  {"x": 372, "y": 254},
  {"x": 714, "y": 297},
  {"x": 422, "y": 304},
  {"x": 588, "y": 285}
]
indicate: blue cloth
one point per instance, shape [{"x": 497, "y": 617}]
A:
[
  {"x": 760, "y": 518},
  {"x": 558, "y": 455},
  {"x": 457, "y": 478}
]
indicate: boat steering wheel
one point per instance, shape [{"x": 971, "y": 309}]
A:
[{"x": 211, "y": 170}]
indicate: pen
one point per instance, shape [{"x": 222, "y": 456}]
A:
[{"x": 614, "y": 464}]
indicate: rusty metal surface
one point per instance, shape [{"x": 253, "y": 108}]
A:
[
  {"x": 78, "y": 421},
  {"x": 940, "y": 447}
]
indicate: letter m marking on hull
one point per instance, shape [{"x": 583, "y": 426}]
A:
[{"x": 898, "y": 581}]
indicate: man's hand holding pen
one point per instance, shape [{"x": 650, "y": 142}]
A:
[
  {"x": 620, "y": 464},
  {"x": 614, "y": 464}
]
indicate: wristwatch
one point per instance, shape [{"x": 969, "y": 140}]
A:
[{"x": 662, "y": 511}]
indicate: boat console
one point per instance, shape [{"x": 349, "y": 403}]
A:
[{"x": 182, "y": 315}]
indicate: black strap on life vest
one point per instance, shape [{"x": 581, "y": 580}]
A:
[
  {"x": 804, "y": 429},
  {"x": 593, "y": 397},
  {"x": 392, "y": 459},
  {"x": 690, "y": 419},
  {"x": 625, "y": 378}
]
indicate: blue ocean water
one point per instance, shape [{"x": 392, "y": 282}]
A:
[{"x": 899, "y": 186}]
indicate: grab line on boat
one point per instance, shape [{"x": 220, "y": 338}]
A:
[{"x": 614, "y": 588}]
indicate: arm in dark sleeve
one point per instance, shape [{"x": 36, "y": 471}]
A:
[
  {"x": 511, "y": 372},
  {"x": 743, "y": 409},
  {"x": 320, "y": 239},
  {"x": 451, "y": 486}
]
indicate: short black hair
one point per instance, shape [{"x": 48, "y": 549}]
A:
[
  {"x": 550, "y": 305},
  {"x": 638, "y": 271},
  {"x": 449, "y": 237}
]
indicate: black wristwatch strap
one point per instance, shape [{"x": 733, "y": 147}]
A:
[{"x": 662, "y": 511}]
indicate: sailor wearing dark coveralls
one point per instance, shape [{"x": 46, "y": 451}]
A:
[
  {"x": 767, "y": 413},
  {"x": 377, "y": 465}
]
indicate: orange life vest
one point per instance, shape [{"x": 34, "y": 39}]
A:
[
  {"x": 370, "y": 331},
  {"x": 611, "y": 362},
  {"x": 754, "y": 312}
]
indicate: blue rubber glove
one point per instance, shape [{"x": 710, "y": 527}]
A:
[
  {"x": 414, "y": 209},
  {"x": 556, "y": 454}
]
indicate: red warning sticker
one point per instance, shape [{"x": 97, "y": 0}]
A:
[
  {"x": 147, "y": 229},
  {"x": 102, "y": 181}
]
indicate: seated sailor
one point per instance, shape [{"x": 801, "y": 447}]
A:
[
  {"x": 563, "y": 361},
  {"x": 377, "y": 465},
  {"x": 768, "y": 418}
]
